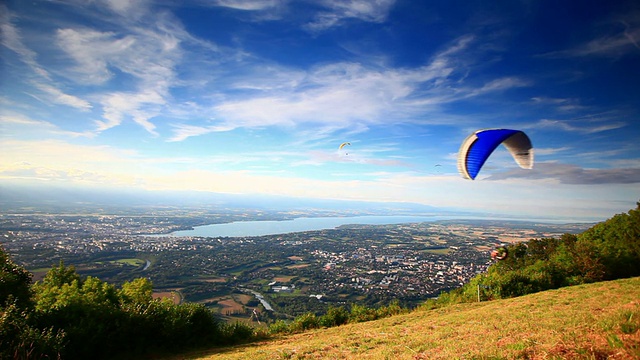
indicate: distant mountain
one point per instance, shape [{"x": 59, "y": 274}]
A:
[{"x": 55, "y": 198}]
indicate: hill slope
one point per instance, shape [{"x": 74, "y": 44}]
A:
[{"x": 594, "y": 321}]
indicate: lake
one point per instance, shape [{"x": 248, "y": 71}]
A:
[{"x": 260, "y": 228}]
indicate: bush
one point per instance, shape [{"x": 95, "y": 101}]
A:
[
  {"x": 305, "y": 322},
  {"x": 360, "y": 313},
  {"x": 236, "y": 333},
  {"x": 19, "y": 339},
  {"x": 279, "y": 327},
  {"x": 335, "y": 316}
]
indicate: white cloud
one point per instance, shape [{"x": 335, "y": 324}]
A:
[
  {"x": 92, "y": 51},
  {"x": 59, "y": 160},
  {"x": 560, "y": 104},
  {"x": 586, "y": 127},
  {"x": 610, "y": 46},
  {"x": 59, "y": 97},
  {"x": 17, "y": 125},
  {"x": 614, "y": 44},
  {"x": 249, "y": 5},
  {"x": 140, "y": 106},
  {"x": 345, "y": 95},
  {"x": 12, "y": 39},
  {"x": 550, "y": 151},
  {"x": 184, "y": 131},
  {"x": 572, "y": 174},
  {"x": 128, "y": 8},
  {"x": 147, "y": 55},
  {"x": 107, "y": 166},
  {"x": 502, "y": 84},
  {"x": 340, "y": 10}
]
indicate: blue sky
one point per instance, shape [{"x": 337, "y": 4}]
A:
[{"x": 255, "y": 96}]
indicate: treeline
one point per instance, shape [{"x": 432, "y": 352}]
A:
[
  {"x": 335, "y": 316},
  {"x": 607, "y": 251},
  {"x": 65, "y": 316}
]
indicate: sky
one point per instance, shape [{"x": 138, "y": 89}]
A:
[{"x": 256, "y": 96}]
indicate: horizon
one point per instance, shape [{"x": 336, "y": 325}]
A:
[
  {"x": 51, "y": 200},
  {"x": 254, "y": 98}
]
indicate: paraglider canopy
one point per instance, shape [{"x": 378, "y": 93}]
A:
[
  {"x": 477, "y": 147},
  {"x": 343, "y": 145},
  {"x": 499, "y": 253}
]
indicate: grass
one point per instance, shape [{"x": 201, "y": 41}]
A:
[
  {"x": 595, "y": 321},
  {"x": 438, "y": 251},
  {"x": 132, "y": 262}
]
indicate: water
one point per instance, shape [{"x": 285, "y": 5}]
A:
[{"x": 260, "y": 228}]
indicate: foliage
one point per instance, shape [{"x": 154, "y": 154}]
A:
[
  {"x": 592, "y": 321},
  {"x": 15, "y": 282},
  {"x": 66, "y": 316},
  {"x": 336, "y": 316},
  {"x": 607, "y": 251},
  {"x": 19, "y": 339}
]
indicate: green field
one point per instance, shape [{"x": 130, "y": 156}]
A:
[
  {"x": 131, "y": 261},
  {"x": 438, "y": 251}
]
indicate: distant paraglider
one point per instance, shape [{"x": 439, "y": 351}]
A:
[
  {"x": 477, "y": 148},
  {"x": 499, "y": 253},
  {"x": 343, "y": 145}
]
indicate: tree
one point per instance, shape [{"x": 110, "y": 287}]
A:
[
  {"x": 15, "y": 282},
  {"x": 20, "y": 337},
  {"x": 137, "y": 291}
]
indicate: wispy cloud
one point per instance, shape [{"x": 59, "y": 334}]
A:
[
  {"x": 337, "y": 11},
  {"x": 42, "y": 80},
  {"x": 345, "y": 95},
  {"x": 550, "y": 151},
  {"x": 585, "y": 127},
  {"x": 560, "y": 104},
  {"x": 148, "y": 55},
  {"x": 248, "y": 5},
  {"x": 501, "y": 84},
  {"x": 623, "y": 40},
  {"x": 184, "y": 131},
  {"x": 14, "y": 124},
  {"x": 128, "y": 8},
  {"x": 57, "y": 96},
  {"x": 12, "y": 40},
  {"x": 574, "y": 175}
]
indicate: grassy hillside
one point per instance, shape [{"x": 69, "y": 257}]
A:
[{"x": 594, "y": 321}]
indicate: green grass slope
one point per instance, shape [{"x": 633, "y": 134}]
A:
[{"x": 594, "y": 321}]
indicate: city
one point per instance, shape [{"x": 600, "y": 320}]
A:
[{"x": 295, "y": 272}]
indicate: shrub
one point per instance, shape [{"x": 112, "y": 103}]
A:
[
  {"x": 279, "y": 327},
  {"x": 305, "y": 322}
]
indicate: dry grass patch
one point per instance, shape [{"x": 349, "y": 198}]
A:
[
  {"x": 172, "y": 295},
  {"x": 596, "y": 321},
  {"x": 242, "y": 298},
  {"x": 229, "y": 305},
  {"x": 298, "y": 266}
]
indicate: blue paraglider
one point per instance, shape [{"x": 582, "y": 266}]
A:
[{"x": 477, "y": 147}]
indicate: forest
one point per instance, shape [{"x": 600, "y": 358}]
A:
[{"x": 68, "y": 316}]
